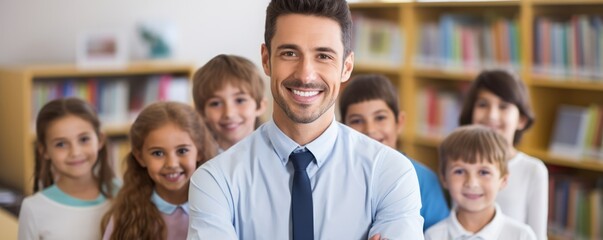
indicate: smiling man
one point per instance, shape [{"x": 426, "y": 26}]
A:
[{"x": 303, "y": 175}]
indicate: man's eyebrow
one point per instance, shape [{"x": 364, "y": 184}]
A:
[
  {"x": 326, "y": 49},
  {"x": 287, "y": 46},
  {"x": 318, "y": 49}
]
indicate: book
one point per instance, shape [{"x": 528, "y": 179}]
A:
[
  {"x": 377, "y": 41},
  {"x": 571, "y": 125}
]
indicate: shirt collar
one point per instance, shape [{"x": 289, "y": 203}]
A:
[
  {"x": 492, "y": 230},
  {"x": 284, "y": 146},
  {"x": 166, "y": 207},
  {"x": 55, "y": 193}
]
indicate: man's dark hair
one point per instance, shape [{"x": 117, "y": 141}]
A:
[{"x": 337, "y": 10}]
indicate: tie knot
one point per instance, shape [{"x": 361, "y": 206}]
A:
[{"x": 301, "y": 160}]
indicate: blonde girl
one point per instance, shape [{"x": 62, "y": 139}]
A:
[
  {"x": 169, "y": 141},
  {"x": 73, "y": 177}
]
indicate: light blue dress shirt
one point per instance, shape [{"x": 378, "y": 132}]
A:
[{"x": 359, "y": 188}]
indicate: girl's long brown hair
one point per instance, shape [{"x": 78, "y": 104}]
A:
[
  {"x": 133, "y": 214},
  {"x": 57, "y": 109}
]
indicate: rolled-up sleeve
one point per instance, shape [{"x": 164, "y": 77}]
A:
[
  {"x": 396, "y": 198},
  {"x": 210, "y": 208}
]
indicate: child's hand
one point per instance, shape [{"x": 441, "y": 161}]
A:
[{"x": 377, "y": 237}]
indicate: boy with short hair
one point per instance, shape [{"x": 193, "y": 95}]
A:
[
  {"x": 228, "y": 92},
  {"x": 369, "y": 104},
  {"x": 473, "y": 167}
]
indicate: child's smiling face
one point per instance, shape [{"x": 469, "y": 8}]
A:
[
  {"x": 473, "y": 186},
  {"x": 72, "y": 146},
  {"x": 376, "y": 120},
  {"x": 492, "y": 111},
  {"x": 231, "y": 115},
  {"x": 170, "y": 157}
]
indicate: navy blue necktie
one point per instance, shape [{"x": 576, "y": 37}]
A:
[{"x": 301, "y": 197}]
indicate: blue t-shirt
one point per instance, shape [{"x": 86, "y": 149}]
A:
[{"x": 434, "y": 204}]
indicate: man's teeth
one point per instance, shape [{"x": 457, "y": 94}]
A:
[{"x": 304, "y": 94}]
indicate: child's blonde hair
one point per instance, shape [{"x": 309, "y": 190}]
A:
[
  {"x": 227, "y": 69},
  {"x": 472, "y": 144},
  {"x": 57, "y": 109},
  {"x": 134, "y": 215}
]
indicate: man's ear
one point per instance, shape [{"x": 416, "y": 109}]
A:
[
  {"x": 348, "y": 66},
  {"x": 265, "y": 59}
]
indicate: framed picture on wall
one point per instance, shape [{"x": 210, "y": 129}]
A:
[{"x": 101, "y": 49}]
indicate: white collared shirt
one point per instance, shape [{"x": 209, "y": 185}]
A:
[
  {"x": 526, "y": 196},
  {"x": 501, "y": 227}
]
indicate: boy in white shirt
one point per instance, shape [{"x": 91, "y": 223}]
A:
[{"x": 473, "y": 167}]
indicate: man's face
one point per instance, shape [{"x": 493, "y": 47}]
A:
[{"x": 306, "y": 66}]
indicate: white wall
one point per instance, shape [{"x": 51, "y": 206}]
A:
[{"x": 45, "y": 31}]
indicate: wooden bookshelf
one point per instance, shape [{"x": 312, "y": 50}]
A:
[
  {"x": 548, "y": 91},
  {"x": 377, "y": 68},
  {"x": 467, "y": 3},
  {"x": 566, "y": 2},
  {"x": 445, "y": 75},
  {"x": 17, "y": 84}
]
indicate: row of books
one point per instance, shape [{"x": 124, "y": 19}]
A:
[
  {"x": 438, "y": 111},
  {"x": 569, "y": 47},
  {"x": 117, "y": 100},
  {"x": 575, "y": 207},
  {"x": 469, "y": 43},
  {"x": 578, "y": 132},
  {"x": 377, "y": 42}
]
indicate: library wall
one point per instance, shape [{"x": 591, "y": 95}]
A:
[{"x": 45, "y": 31}]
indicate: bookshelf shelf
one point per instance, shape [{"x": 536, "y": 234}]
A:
[
  {"x": 390, "y": 70},
  {"x": 584, "y": 163},
  {"x": 443, "y": 39},
  {"x": 427, "y": 141},
  {"x": 444, "y": 75},
  {"x": 117, "y": 130},
  {"x": 575, "y": 84},
  {"x": 467, "y": 3},
  {"x": 379, "y": 4},
  {"x": 62, "y": 70},
  {"x": 566, "y": 2},
  {"x": 114, "y": 130},
  {"x": 29, "y": 87},
  {"x": 556, "y": 237}
]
